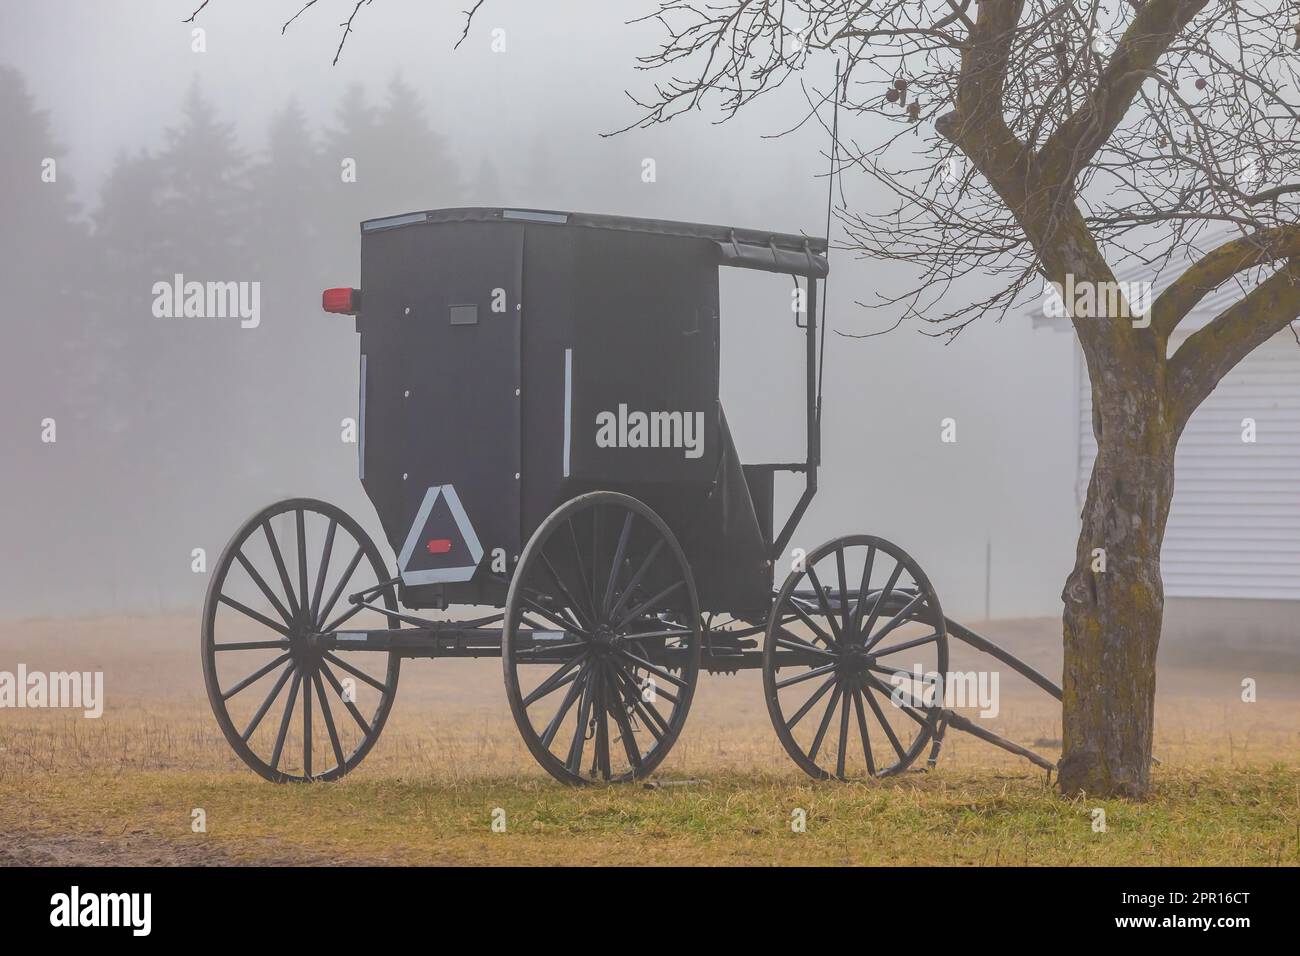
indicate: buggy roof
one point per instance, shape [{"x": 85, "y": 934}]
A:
[{"x": 743, "y": 248}]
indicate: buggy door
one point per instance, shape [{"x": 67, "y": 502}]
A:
[{"x": 440, "y": 346}]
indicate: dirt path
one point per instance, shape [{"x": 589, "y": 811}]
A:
[{"x": 140, "y": 848}]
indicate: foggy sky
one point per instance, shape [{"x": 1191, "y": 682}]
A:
[{"x": 113, "y": 73}]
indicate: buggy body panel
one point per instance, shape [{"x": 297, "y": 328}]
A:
[{"x": 546, "y": 355}]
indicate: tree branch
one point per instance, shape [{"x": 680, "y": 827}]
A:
[
  {"x": 1216, "y": 268},
  {"x": 1079, "y": 137},
  {"x": 1209, "y": 354}
]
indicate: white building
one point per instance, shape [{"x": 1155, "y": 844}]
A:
[{"x": 1231, "y": 556}]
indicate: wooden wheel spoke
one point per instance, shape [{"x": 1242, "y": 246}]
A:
[
  {"x": 908, "y": 645},
  {"x": 646, "y": 564},
  {"x": 249, "y": 612},
  {"x": 254, "y": 677},
  {"x": 577, "y": 563},
  {"x": 889, "y": 731},
  {"x": 807, "y": 675},
  {"x": 884, "y": 688},
  {"x": 813, "y": 625},
  {"x": 844, "y": 735},
  {"x": 647, "y": 604},
  {"x": 300, "y": 519},
  {"x": 875, "y": 605},
  {"x": 792, "y": 643},
  {"x": 614, "y": 703},
  {"x": 284, "y": 721},
  {"x": 810, "y": 703},
  {"x": 600, "y": 696},
  {"x": 321, "y": 571},
  {"x": 823, "y": 603},
  {"x": 574, "y": 760},
  {"x": 826, "y": 722},
  {"x": 862, "y": 730},
  {"x": 647, "y": 666},
  {"x": 863, "y": 590},
  {"x": 263, "y": 587},
  {"x": 266, "y": 704},
  {"x": 560, "y": 678},
  {"x": 343, "y": 618},
  {"x": 844, "y": 591},
  {"x": 328, "y": 715},
  {"x": 338, "y": 588},
  {"x": 575, "y": 688},
  {"x": 306, "y": 728},
  {"x": 595, "y": 553},
  {"x": 898, "y": 620},
  {"x": 647, "y": 711},
  {"x": 343, "y": 698},
  {"x": 252, "y": 646},
  {"x": 582, "y": 621},
  {"x": 619, "y": 552},
  {"x": 279, "y": 567},
  {"x": 357, "y": 673},
  {"x": 552, "y": 616}
]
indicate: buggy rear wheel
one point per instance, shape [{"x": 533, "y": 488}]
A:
[
  {"x": 854, "y": 640},
  {"x": 267, "y": 607},
  {"x": 601, "y": 640}
]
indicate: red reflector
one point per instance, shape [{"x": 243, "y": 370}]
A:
[
  {"x": 340, "y": 300},
  {"x": 438, "y": 545}
]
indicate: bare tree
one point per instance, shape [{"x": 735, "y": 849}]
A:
[
  {"x": 1040, "y": 140},
  {"x": 1044, "y": 140}
]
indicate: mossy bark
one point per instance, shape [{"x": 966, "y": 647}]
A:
[{"x": 1113, "y": 611}]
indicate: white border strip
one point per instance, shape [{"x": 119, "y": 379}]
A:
[
  {"x": 361, "y": 423},
  {"x": 568, "y": 406}
]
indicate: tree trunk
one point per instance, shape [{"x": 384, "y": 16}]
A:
[{"x": 1112, "y": 617}]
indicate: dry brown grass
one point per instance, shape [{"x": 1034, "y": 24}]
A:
[{"x": 1227, "y": 791}]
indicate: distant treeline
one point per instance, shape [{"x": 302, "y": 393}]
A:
[{"x": 167, "y": 428}]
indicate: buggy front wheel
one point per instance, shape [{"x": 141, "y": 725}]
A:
[
  {"x": 856, "y": 648},
  {"x": 601, "y": 640}
]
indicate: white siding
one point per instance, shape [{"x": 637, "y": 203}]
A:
[{"x": 1234, "y": 529}]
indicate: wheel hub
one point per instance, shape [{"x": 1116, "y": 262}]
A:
[
  {"x": 304, "y": 648},
  {"x": 604, "y": 641},
  {"x": 855, "y": 662}
]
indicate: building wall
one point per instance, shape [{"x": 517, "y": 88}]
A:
[
  {"x": 1231, "y": 559},
  {"x": 1255, "y": 631}
]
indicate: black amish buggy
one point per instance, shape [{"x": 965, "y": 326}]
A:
[{"x": 541, "y": 436}]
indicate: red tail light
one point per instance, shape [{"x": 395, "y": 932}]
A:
[
  {"x": 342, "y": 301},
  {"x": 438, "y": 545}
]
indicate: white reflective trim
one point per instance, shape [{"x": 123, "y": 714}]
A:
[
  {"x": 361, "y": 423},
  {"x": 568, "y": 406},
  {"x": 533, "y": 215},
  {"x": 393, "y": 221},
  {"x": 438, "y": 575}
]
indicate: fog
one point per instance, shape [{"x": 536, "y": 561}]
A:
[{"x": 225, "y": 165}]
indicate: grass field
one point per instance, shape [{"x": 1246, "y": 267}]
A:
[{"x": 123, "y": 788}]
